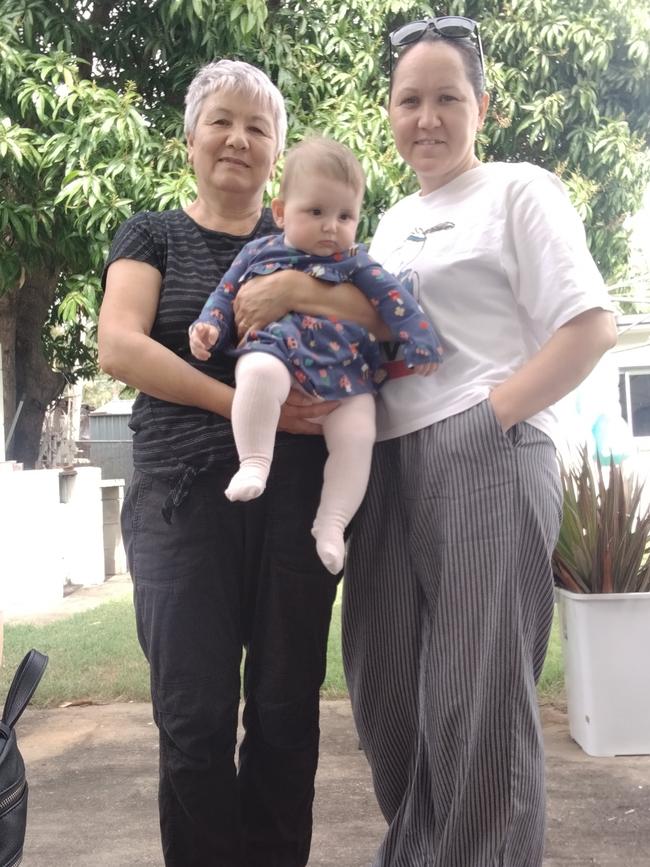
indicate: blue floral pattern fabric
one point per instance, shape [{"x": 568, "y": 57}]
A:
[{"x": 329, "y": 358}]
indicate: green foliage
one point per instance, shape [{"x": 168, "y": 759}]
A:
[
  {"x": 91, "y": 98},
  {"x": 550, "y": 688},
  {"x": 605, "y": 533}
]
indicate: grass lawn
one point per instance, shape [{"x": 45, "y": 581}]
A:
[{"x": 95, "y": 656}]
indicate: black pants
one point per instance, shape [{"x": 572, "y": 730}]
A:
[{"x": 221, "y": 577}]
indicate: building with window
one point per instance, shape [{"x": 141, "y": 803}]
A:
[{"x": 632, "y": 355}]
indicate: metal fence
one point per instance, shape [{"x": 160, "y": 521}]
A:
[{"x": 110, "y": 441}]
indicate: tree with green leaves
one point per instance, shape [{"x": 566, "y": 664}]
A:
[{"x": 91, "y": 99}]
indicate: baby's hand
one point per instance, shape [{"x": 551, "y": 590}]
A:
[
  {"x": 202, "y": 338},
  {"x": 425, "y": 369}
]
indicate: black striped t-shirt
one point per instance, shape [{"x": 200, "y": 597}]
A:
[{"x": 167, "y": 437}]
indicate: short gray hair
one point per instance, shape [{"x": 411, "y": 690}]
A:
[{"x": 235, "y": 75}]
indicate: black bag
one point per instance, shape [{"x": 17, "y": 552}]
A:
[{"x": 13, "y": 785}]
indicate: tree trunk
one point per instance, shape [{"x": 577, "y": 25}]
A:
[
  {"x": 35, "y": 383},
  {"x": 8, "y": 344}
]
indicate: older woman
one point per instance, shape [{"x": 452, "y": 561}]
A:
[
  {"x": 449, "y": 591},
  {"x": 212, "y": 577}
]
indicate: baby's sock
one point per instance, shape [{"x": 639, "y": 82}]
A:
[
  {"x": 330, "y": 546},
  {"x": 349, "y": 434},
  {"x": 263, "y": 383},
  {"x": 249, "y": 481}
]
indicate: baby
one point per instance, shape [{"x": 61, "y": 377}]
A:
[{"x": 318, "y": 208}]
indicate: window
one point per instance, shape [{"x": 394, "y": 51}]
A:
[{"x": 634, "y": 393}]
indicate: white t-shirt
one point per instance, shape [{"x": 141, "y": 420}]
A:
[{"x": 498, "y": 260}]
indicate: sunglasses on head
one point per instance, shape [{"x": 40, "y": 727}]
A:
[{"x": 447, "y": 26}]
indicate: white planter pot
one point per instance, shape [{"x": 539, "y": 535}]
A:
[{"x": 606, "y": 649}]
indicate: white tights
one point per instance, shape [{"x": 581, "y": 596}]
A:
[{"x": 263, "y": 384}]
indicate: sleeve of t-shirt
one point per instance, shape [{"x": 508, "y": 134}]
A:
[
  {"x": 546, "y": 257},
  {"x": 137, "y": 239}
]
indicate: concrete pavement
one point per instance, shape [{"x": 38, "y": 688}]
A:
[{"x": 93, "y": 775}]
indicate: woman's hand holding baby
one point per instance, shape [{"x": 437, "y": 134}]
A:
[
  {"x": 299, "y": 410},
  {"x": 262, "y": 300}
]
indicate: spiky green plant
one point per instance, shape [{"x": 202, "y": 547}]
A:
[{"x": 605, "y": 535}]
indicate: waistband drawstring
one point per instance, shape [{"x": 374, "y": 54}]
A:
[{"x": 179, "y": 492}]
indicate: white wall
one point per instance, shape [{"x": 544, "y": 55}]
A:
[{"x": 44, "y": 542}]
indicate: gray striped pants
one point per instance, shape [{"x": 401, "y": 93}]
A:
[{"x": 448, "y": 604}]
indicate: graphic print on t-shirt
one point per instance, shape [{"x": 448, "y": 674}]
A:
[{"x": 402, "y": 262}]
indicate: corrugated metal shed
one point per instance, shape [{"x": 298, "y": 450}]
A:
[{"x": 110, "y": 440}]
